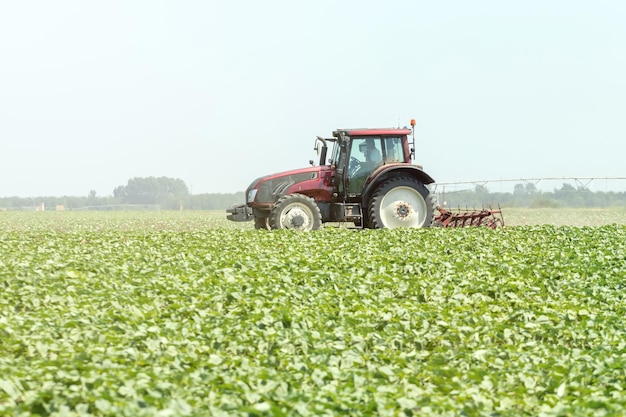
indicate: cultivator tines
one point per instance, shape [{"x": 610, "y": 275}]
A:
[{"x": 485, "y": 217}]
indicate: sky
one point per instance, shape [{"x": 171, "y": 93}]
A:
[{"x": 220, "y": 92}]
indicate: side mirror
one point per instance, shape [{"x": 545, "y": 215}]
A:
[{"x": 321, "y": 147}]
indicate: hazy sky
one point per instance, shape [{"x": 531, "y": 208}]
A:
[{"x": 219, "y": 92}]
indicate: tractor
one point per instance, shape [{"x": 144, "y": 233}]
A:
[{"x": 368, "y": 180}]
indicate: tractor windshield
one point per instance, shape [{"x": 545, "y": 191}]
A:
[{"x": 334, "y": 156}]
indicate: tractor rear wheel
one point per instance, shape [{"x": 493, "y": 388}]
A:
[
  {"x": 401, "y": 202},
  {"x": 295, "y": 211}
]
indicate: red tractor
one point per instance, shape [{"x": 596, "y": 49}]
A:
[{"x": 369, "y": 180}]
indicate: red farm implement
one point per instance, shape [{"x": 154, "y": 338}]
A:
[{"x": 485, "y": 217}]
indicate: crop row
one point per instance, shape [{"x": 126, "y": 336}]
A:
[{"x": 516, "y": 321}]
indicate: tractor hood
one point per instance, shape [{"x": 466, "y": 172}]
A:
[{"x": 268, "y": 189}]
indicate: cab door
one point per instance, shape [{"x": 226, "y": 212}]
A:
[{"x": 364, "y": 157}]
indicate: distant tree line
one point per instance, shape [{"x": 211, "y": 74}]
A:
[
  {"x": 527, "y": 195},
  {"x": 165, "y": 193},
  {"x": 149, "y": 193}
]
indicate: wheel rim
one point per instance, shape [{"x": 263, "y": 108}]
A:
[
  {"x": 403, "y": 207},
  {"x": 297, "y": 216}
]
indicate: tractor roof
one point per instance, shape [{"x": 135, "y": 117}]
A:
[{"x": 391, "y": 131}]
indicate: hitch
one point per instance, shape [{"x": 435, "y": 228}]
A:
[{"x": 240, "y": 213}]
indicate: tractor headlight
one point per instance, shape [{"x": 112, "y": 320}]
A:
[{"x": 251, "y": 195}]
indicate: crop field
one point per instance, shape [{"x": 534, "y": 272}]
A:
[{"x": 186, "y": 314}]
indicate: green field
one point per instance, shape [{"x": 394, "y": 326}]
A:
[
  {"x": 186, "y": 314},
  {"x": 564, "y": 216},
  {"x": 199, "y": 220}
]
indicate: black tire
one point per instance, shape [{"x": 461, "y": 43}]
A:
[
  {"x": 401, "y": 202},
  {"x": 261, "y": 223},
  {"x": 295, "y": 211}
]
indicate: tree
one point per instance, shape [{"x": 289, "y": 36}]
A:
[
  {"x": 530, "y": 188},
  {"x": 164, "y": 191}
]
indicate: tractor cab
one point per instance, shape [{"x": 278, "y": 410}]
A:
[{"x": 359, "y": 153}]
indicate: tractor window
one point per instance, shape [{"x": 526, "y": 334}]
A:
[
  {"x": 367, "y": 150},
  {"x": 394, "y": 151},
  {"x": 365, "y": 157}
]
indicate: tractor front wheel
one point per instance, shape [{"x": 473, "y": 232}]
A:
[
  {"x": 401, "y": 202},
  {"x": 261, "y": 223},
  {"x": 295, "y": 211}
]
